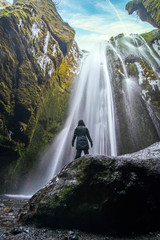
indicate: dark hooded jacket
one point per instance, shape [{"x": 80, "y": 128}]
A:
[{"x": 82, "y": 133}]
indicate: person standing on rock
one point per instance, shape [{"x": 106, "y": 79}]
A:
[{"x": 82, "y": 133}]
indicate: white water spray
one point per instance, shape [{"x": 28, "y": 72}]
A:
[
  {"x": 93, "y": 102},
  {"x": 115, "y": 50}
]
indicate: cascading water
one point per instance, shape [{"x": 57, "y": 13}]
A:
[
  {"x": 138, "y": 68},
  {"x": 124, "y": 125},
  {"x": 92, "y": 101}
]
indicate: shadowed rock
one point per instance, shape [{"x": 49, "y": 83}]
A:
[
  {"x": 101, "y": 194},
  {"x": 147, "y": 10}
]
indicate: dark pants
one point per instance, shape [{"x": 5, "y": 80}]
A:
[{"x": 79, "y": 151}]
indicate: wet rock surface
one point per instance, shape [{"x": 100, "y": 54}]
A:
[
  {"x": 101, "y": 194},
  {"x": 11, "y": 229}
]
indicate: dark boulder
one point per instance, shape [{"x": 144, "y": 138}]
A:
[{"x": 101, "y": 194}]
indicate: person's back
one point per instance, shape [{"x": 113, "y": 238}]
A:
[{"x": 82, "y": 133}]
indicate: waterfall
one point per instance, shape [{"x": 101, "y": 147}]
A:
[
  {"x": 92, "y": 101},
  {"x": 118, "y": 68}
]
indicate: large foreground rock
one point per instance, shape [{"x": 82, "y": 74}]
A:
[{"x": 120, "y": 194}]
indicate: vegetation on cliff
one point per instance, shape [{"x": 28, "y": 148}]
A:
[
  {"x": 36, "y": 53},
  {"x": 144, "y": 67},
  {"x": 136, "y": 87},
  {"x": 147, "y": 10}
]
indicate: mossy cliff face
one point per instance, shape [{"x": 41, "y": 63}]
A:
[
  {"x": 37, "y": 52},
  {"x": 147, "y": 10},
  {"x": 51, "y": 117}
]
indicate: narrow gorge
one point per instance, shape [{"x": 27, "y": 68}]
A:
[{"x": 47, "y": 84}]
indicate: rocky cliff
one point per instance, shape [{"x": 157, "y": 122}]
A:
[
  {"x": 134, "y": 69},
  {"x": 134, "y": 65},
  {"x": 147, "y": 10},
  {"x": 38, "y": 58}
]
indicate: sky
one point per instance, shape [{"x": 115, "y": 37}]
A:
[{"x": 98, "y": 20}]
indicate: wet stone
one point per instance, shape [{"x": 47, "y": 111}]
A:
[
  {"x": 70, "y": 232},
  {"x": 16, "y": 231},
  {"x": 74, "y": 237},
  {"x": 26, "y": 230},
  {"x": 10, "y": 229}
]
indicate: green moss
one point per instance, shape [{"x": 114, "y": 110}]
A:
[
  {"x": 32, "y": 104},
  {"x": 147, "y": 10},
  {"x": 64, "y": 75},
  {"x": 49, "y": 123},
  {"x": 153, "y": 8},
  {"x": 65, "y": 195},
  {"x": 150, "y": 37}
]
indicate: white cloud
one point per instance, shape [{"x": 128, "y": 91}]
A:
[
  {"x": 71, "y": 6},
  {"x": 92, "y": 23},
  {"x": 104, "y": 25},
  {"x": 108, "y": 20},
  {"x": 100, "y": 29},
  {"x": 105, "y": 7},
  {"x": 88, "y": 41}
]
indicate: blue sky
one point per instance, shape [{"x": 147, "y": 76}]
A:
[{"x": 98, "y": 20}]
